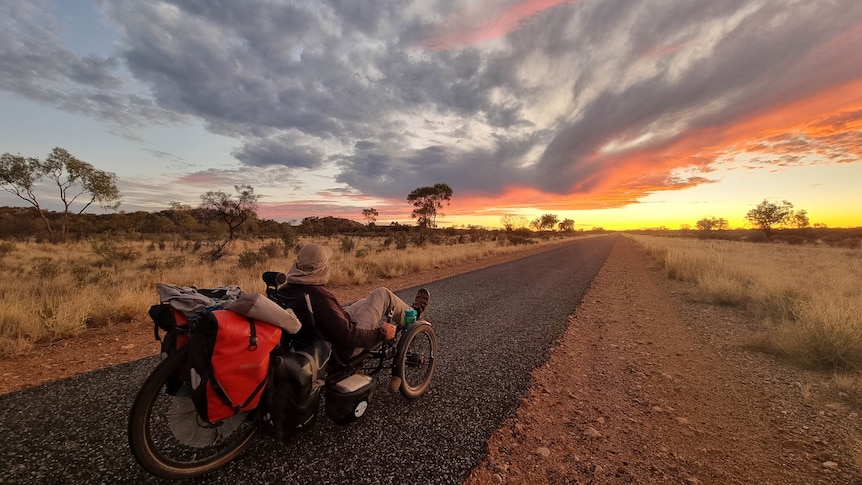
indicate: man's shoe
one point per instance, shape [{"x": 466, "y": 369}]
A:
[{"x": 423, "y": 297}]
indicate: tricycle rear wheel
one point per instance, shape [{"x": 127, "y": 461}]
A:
[{"x": 169, "y": 439}]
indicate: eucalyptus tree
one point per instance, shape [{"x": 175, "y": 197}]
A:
[{"x": 79, "y": 184}]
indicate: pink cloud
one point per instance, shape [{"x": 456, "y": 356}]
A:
[{"x": 463, "y": 31}]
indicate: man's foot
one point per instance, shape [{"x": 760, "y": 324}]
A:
[{"x": 423, "y": 297}]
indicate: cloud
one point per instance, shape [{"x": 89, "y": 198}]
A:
[
  {"x": 472, "y": 25},
  {"x": 279, "y": 151},
  {"x": 35, "y": 64},
  {"x": 563, "y": 104}
]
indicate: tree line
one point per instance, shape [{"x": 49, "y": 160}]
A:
[
  {"x": 766, "y": 216},
  {"x": 79, "y": 185},
  {"x": 223, "y": 217}
]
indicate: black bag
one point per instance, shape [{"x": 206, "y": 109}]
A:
[
  {"x": 292, "y": 399},
  {"x": 348, "y": 399},
  {"x": 168, "y": 319}
]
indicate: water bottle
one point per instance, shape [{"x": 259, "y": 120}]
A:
[{"x": 409, "y": 316}]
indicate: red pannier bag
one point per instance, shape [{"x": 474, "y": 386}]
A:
[{"x": 229, "y": 357}]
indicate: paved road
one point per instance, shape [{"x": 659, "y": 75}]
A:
[{"x": 493, "y": 327}]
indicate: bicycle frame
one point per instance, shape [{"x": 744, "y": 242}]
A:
[{"x": 383, "y": 355}]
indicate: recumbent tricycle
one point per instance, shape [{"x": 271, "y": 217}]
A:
[{"x": 170, "y": 439}]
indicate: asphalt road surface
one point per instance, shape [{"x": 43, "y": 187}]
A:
[{"x": 493, "y": 327}]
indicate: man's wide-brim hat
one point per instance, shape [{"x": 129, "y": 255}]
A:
[{"x": 311, "y": 266}]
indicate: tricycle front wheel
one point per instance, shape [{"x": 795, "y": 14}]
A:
[{"x": 414, "y": 361}]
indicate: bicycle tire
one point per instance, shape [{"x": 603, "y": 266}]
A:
[
  {"x": 167, "y": 437},
  {"x": 415, "y": 360}
]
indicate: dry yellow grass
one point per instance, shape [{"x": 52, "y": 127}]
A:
[
  {"x": 809, "y": 296},
  {"x": 54, "y": 291}
]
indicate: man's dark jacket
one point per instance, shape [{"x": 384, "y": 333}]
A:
[{"x": 333, "y": 323}]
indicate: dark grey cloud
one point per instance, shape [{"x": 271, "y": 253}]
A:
[{"x": 284, "y": 151}]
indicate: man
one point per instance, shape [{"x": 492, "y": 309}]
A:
[{"x": 362, "y": 324}]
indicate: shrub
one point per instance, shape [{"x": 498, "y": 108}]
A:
[
  {"x": 46, "y": 269},
  {"x": 153, "y": 264},
  {"x": 81, "y": 274},
  {"x": 347, "y": 244},
  {"x": 10, "y": 347},
  {"x": 114, "y": 248},
  {"x": 271, "y": 250},
  {"x": 288, "y": 238},
  {"x": 176, "y": 261},
  {"x": 851, "y": 242},
  {"x": 249, "y": 259},
  {"x": 795, "y": 240},
  {"x": 517, "y": 240},
  {"x": 6, "y": 247},
  {"x": 63, "y": 319},
  {"x": 419, "y": 239},
  {"x": 401, "y": 241}
]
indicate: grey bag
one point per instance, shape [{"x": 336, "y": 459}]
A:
[
  {"x": 184, "y": 299},
  {"x": 259, "y": 307}
]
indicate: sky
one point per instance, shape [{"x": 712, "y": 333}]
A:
[{"x": 620, "y": 114}]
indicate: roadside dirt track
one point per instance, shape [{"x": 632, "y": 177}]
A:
[{"x": 648, "y": 386}]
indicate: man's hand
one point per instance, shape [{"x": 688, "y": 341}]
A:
[{"x": 389, "y": 329}]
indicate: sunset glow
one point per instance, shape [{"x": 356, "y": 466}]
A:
[{"x": 616, "y": 115}]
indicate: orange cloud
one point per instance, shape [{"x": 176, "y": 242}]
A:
[{"x": 827, "y": 124}]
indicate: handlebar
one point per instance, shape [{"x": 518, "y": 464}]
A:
[{"x": 274, "y": 279}]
